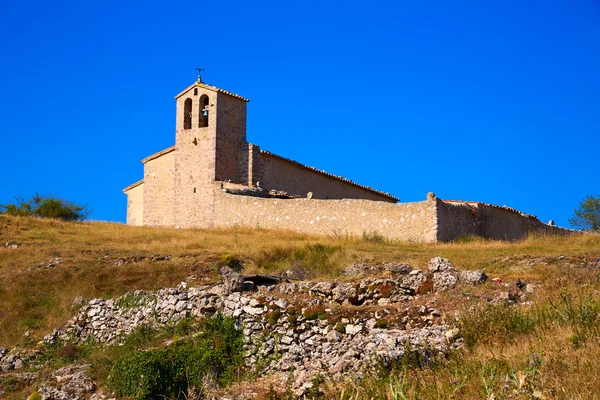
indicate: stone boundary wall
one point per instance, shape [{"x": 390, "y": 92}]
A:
[
  {"x": 353, "y": 217},
  {"x": 456, "y": 220}
]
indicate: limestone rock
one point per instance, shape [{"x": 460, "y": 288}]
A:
[
  {"x": 400, "y": 269},
  {"x": 345, "y": 291},
  {"x": 54, "y": 262},
  {"x": 68, "y": 383},
  {"x": 438, "y": 264},
  {"x": 414, "y": 280},
  {"x": 233, "y": 281},
  {"x": 323, "y": 288},
  {"x": 472, "y": 277},
  {"x": 443, "y": 281}
]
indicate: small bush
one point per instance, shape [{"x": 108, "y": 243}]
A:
[
  {"x": 217, "y": 353},
  {"x": 314, "y": 312},
  {"x": 381, "y": 324},
  {"x": 273, "y": 317},
  {"x": 232, "y": 262},
  {"x": 46, "y": 207}
]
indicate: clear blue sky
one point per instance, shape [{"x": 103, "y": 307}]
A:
[{"x": 474, "y": 100}]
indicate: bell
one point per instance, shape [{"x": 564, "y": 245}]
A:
[{"x": 205, "y": 113}]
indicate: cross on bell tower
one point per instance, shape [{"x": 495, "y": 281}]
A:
[{"x": 199, "y": 73}]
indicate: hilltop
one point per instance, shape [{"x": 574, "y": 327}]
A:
[{"x": 538, "y": 337}]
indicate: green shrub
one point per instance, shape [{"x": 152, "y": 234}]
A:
[
  {"x": 314, "y": 312},
  {"x": 232, "y": 262},
  {"x": 170, "y": 372},
  {"x": 273, "y": 316},
  {"x": 46, "y": 207}
]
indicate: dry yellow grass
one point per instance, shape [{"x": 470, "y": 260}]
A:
[{"x": 35, "y": 298}]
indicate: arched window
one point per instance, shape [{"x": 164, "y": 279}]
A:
[
  {"x": 187, "y": 114},
  {"x": 203, "y": 121}
]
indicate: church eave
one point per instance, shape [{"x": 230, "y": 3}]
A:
[
  {"x": 133, "y": 185},
  {"x": 212, "y": 88}
]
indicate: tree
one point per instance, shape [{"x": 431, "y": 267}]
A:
[
  {"x": 587, "y": 216},
  {"x": 46, "y": 207}
]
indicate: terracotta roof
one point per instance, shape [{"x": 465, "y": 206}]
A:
[
  {"x": 138, "y": 183},
  {"x": 160, "y": 153},
  {"x": 210, "y": 87},
  {"x": 339, "y": 178},
  {"x": 473, "y": 203}
]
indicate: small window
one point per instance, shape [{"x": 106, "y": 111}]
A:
[
  {"x": 194, "y": 190},
  {"x": 203, "y": 120},
  {"x": 195, "y": 91},
  {"x": 187, "y": 114}
]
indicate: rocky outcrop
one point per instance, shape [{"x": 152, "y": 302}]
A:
[
  {"x": 67, "y": 383},
  {"x": 304, "y": 327},
  {"x": 10, "y": 359}
]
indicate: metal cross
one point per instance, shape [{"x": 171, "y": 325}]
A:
[{"x": 199, "y": 72}]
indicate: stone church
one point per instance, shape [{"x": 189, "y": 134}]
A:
[
  {"x": 211, "y": 146},
  {"x": 212, "y": 177}
]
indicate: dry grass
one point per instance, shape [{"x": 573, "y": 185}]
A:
[{"x": 36, "y": 298}]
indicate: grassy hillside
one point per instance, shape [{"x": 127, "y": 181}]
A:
[{"x": 105, "y": 260}]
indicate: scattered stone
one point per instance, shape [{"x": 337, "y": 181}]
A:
[
  {"x": 345, "y": 291},
  {"x": 54, "y": 262},
  {"x": 443, "y": 281},
  {"x": 10, "y": 360},
  {"x": 400, "y": 269},
  {"x": 414, "y": 281},
  {"x": 472, "y": 277},
  {"x": 360, "y": 270},
  {"x": 323, "y": 288},
  {"x": 162, "y": 258},
  {"x": 233, "y": 281},
  {"x": 68, "y": 383},
  {"x": 439, "y": 264}
]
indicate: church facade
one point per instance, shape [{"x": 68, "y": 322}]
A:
[{"x": 212, "y": 177}]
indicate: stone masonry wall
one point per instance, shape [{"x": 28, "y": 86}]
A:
[
  {"x": 159, "y": 178},
  {"x": 489, "y": 222},
  {"x": 232, "y": 148},
  {"x": 456, "y": 220},
  {"x": 135, "y": 206},
  {"x": 405, "y": 221},
  {"x": 195, "y": 163},
  {"x": 276, "y": 173}
]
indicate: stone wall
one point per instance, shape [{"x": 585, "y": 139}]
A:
[
  {"x": 232, "y": 148},
  {"x": 457, "y": 219},
  {"x": 275, "y": 172},
  {"x": 159, "y": 177},
  {"x": 135, "y": 205},
  {"x": 195, "y": 162},
  {"x": 404, "y": 221}
]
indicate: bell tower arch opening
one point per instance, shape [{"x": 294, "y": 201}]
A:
[
  {"x": 187, "y": 114},
  {"x": 203, "y": 114}
]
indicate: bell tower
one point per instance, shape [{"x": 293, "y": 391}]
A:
[{"x": 211, "y": 146}]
